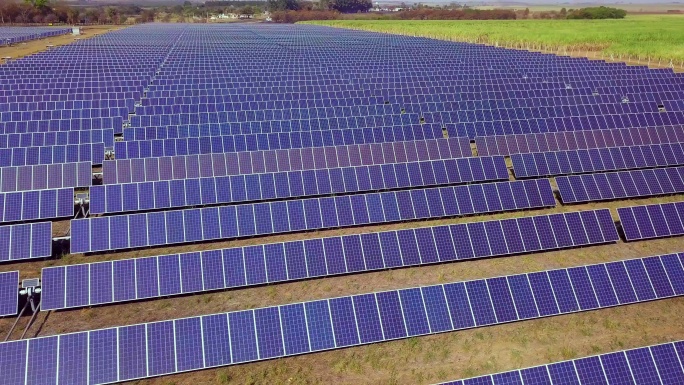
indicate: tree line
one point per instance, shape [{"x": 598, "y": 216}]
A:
[{"x": 45, "y": 12}]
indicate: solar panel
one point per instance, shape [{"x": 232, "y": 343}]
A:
[
  {"x": 407, "y": 130},
  {"x": 26, "y": 156},
  {"x": 33, "y": 205},
  {"x": 171, "y": 346},
  {"x": 25, "y": 241},
  {"x": 621, "y": 184},
  {"x": 62, "y": 286},
  {"x": 660, "y": 363},
  {"x": 9, "y": 295},
  {"x": 293, "y": 184},
  {"x": 576, "y": 140},
  {"x": 225, "y": 222},
  {"x": 652, "y": 221},
  {"x": 594, "y": 160},
  {"x": 41, "y": 177},
  {"x": 125, "y": 170}
]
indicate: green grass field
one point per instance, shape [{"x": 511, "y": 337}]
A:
[{"x": 660, "y": 37}]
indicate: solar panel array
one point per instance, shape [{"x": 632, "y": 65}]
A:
[
  {"x": 218, "y": 132},
  {"x": 622, "y": 184},
  {"x": 237, "y": 221},
  {"x": 23, "y": 156},
  {"x": 577, "y": 140},
  {"x": 46, "y": 176},
  {"x": 57, "y": 138},
  {"x": 182, "y": 166},
  {"x": 652, "y": 221},
  {"x": 153, "y": 349},
  {"x": 141, "y": 278},
  {"x": 13, "y": 35},
  {"x": 595, "y": 160},
  {"x": 9, "y": 300},
  {"x": 25, "y": 241},
  {"x": 319, "y": 157},
  {"x": 294, "y": 184},
  {"x": 661, "y": 364},
  {"x": 37, "y": 204}
]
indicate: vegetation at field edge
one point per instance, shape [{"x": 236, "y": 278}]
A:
[{"x": 658, "y": 37}]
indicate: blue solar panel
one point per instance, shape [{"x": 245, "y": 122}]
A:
[
  {"x": 652, "y": 221},
  {"x": 9, "y": 295},
  {"x": 623, "y": 184},
  {"x": 25, "y": 241},
  {"x": 249, "y": 219},
  {"x": 33, "y": 205},
  {"x": 270, "y": 263},
  {"x": 206, "y": 191},
  {"x": 584, "y": 161},
  {"x": 251, "y": 335},
  {"x": 657, "y": 364}
]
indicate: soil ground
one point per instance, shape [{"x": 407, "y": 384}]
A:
[{"x": 419, "y": 360}]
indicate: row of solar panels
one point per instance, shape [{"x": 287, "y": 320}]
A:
[
  {"x": 309, "y": 158},
  {"x": 165, "y": 347},
  {"x": 135, "y": 279},
  {"x": 620, "y": 185},
  {"x": 652, "y": 221},
  {"x": 276, "y": 110},
  {"x": 657, "y": 364},
  {"x": 594, "y": 160},
  {"x": 114, "y": 198},
  {"x": 115, "y": 123},
  {"x": 38, "y": 204},
  {"x": 70, "y": 153},
  {"x": 281, "y": 141},
  {"x": 261, "y": 121},
  {"x": 25, "y": 241},
  {"x": 577, "y": 140},
  {"x": 372, "y": 133},
  {"x": 542, "y": 125},
  {"x": 14, "y": 35},
  {"x": 227, "y": 222},
  {"x": 57, "y": 138},
  {"x": 73, "y": 97},
  {"x": 82, "y": 113},
  {"x": 42, "y": 177}
]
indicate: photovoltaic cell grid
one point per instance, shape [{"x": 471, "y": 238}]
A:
[
  {"x": 23, "y": 156},
  {"x": 657, "y": 364},
  {"x": 407, "y": 129},
  {"x": 652, "y": 221},
  {"x": 225, "y": 222},
  {"x": 254, "y": 162},
  {"x": 142, "y": 278},
  {"x": 9, "y": 295},
  {"x": 294, "y": 184},
  {"x": 577, "y": 140},
  {"x": 39, "y": 204},
  {"x": 25, "y": 241},
  {"x": 153, "y": 349},
  {"x": 13, "y": 35},
  {"x": 46, "y": 176},
  {"x": 595, "y": 160},
  {"x": 621, "y": 184},
  {"x": 59, "y": 138}
]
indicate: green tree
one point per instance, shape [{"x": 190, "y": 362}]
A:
[
  {"x": 351, "y": 6},
  {"x": 38, "y": 3},
  {"x": 283, "y": 5}
]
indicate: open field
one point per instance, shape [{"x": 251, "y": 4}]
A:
[
  {"x": 658, "y": 37},
  {"x": 418, "y": 360}
]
